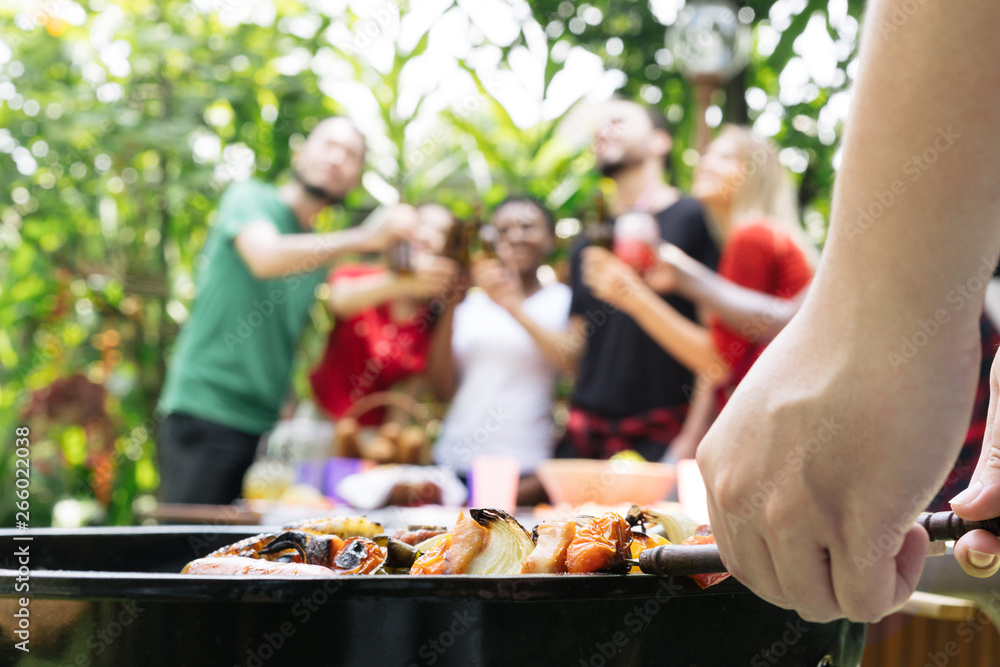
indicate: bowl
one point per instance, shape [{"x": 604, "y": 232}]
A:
[{"x": 578, "y": 481}]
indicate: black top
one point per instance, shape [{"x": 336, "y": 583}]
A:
[{"x": 623, "y": 371}]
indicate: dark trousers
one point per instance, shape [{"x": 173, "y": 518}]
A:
[{"x": 202, "y": 462}]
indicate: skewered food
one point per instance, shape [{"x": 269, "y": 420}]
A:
[
  {"x": 705, "y": 580},
  {"x": 551, "y": 539},
  {"x": 414, "y": 535},
  {"x": 253, "y": 567},
  {"x": 600, "y": 546},
  {"x": 484, "y": 541},
  {"x": 676, "y": 526}
]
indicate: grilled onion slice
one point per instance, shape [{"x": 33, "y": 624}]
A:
[
  {"x": 677, "y": 526},
  {"x": 484, "y": 541}
]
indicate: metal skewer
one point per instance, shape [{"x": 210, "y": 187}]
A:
[{"x": 670, "y": 560}]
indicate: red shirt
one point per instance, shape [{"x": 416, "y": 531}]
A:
[
  {"x": 762, "y": 258},
  {"x": 369, "y": 352}
]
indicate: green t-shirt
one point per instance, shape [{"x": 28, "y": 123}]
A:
[{"x": 233, "y": 359}]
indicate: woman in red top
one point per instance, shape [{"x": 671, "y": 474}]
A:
[
  {"x": 384, "y": 321},
  {"x": 747, "y": 193}
]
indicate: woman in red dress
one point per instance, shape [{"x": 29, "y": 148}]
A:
[
  {"x": 384, "y": 321},
  {"x": 765, "y": 265}
]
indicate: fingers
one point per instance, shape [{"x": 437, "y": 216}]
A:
[
  {"x": 804, "y": 576},
  {"x": 745, "y": 554},
  {"x": 402, "y": 222},
  {"x": 869, "y": 586}
]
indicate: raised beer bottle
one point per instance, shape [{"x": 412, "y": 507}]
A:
[{"x": 601, "y": 232}]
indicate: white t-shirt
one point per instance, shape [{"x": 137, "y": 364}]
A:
[{"x": 503, "y": 406}]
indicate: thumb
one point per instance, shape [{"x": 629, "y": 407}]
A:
[
  {"x": 978, "y": 552},
  {"x": 982, "y": 499}
]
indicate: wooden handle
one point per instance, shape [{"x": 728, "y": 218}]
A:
[
  {"x": 670, "y": 560},
  {"x": 674, "y": 561},
  {"x": 944, "y": 526}
]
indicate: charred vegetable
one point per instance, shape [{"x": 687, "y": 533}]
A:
[
  {"x": 414, "y": 535},
  {"x": 255, "y": 547},
  {"x": 676, "y": 526},
  {"x": 398, "y": 554},
  {"x": 484, "y": 541},
  {"x": 641, "y": 542},
  {"x": 551, "y": 539},
  {"x": 341, "y": 526},
  {"x": 356, "y": 555},
  {"x": 600, "y": 546}
]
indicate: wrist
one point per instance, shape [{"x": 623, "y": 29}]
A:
[
  {"x": 633, "y": 298},
  {"x": 405, "y": 284}
]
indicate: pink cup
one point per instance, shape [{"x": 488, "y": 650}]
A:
[
  {"x": 494, "y": 482},
  {"x": 636, "y": 254},
  {"x": 691, "y": 490}
]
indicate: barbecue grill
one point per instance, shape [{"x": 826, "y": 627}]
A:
[{"x": 112, "y": 596}]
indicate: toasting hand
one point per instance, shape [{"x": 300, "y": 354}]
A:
[
  {"x": 432, "y": 275},
  {"x": 610, "y": 279},
  {"x": 499, "y": 282}
]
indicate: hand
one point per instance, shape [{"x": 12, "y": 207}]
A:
[
  {"x": 499, "y": 283},
  {"x": 825, "y": 455},
  {"x": 432, "y": 275},
  {"x": 610, "y": 279},
  {"x": 401, "y": 222},
  {"x": 979, "y": 551},
  {"x": 666, "y": 275}
]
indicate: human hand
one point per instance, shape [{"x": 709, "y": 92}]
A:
[
  {"x": 401, "y": 222},
  {"x": 825, "y": 455},
  {"x": 669, "y": 272},
  {"x": 609, "y": 278},
  {"x": 432, "y": 275},
  {"x": 978, "y": 552},
  {"x": 499, "y": 283}
]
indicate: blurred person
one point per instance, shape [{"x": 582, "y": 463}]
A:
[
  {"x": 856, "y": 411},
  {"x": 384, "y": 321},
  {"x": 750, "y": 200},
  {"x": 630, "y": 393},
  {"x": 497, "y": 354},
  {"x": 231, "y": 364}
]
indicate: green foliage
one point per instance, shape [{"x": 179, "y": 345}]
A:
[
  {"x": 120, "y": 127},
  {"x": 637, "y": 36}
]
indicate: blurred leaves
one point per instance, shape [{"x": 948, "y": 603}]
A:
[{"x": 121, "y": 121}]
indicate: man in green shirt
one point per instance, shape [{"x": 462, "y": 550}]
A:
[{"x": 261, "y": 264}]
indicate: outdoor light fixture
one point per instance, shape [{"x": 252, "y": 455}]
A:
[{"x": 710, "y": 45}]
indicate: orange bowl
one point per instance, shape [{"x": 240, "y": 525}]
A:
[{"x": 578, "y": 481}]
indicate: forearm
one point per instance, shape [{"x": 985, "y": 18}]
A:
[
  {"x": 699, "y": 418},
  {"x": 269, "y": 254},
  {"x": 757, "y": 315},
  {"x": 561, "y": 348},
  {"x": 687, "y": 341},
  {"x": 914, "y": 217},
  {"x": 441, "y": 375},
  {"x": 350, "y": 296}
]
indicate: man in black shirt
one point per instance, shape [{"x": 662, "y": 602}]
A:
[{"x": 631, "y": 394}]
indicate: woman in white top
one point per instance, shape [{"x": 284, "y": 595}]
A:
[{"x": 497, "y": 354}]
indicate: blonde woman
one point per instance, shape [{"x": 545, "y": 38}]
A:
[{"x": 751, "y": 203}]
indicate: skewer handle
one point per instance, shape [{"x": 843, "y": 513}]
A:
[
  {"x": 944, "y": 526},
  {"x": 675, "y": 561}
]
